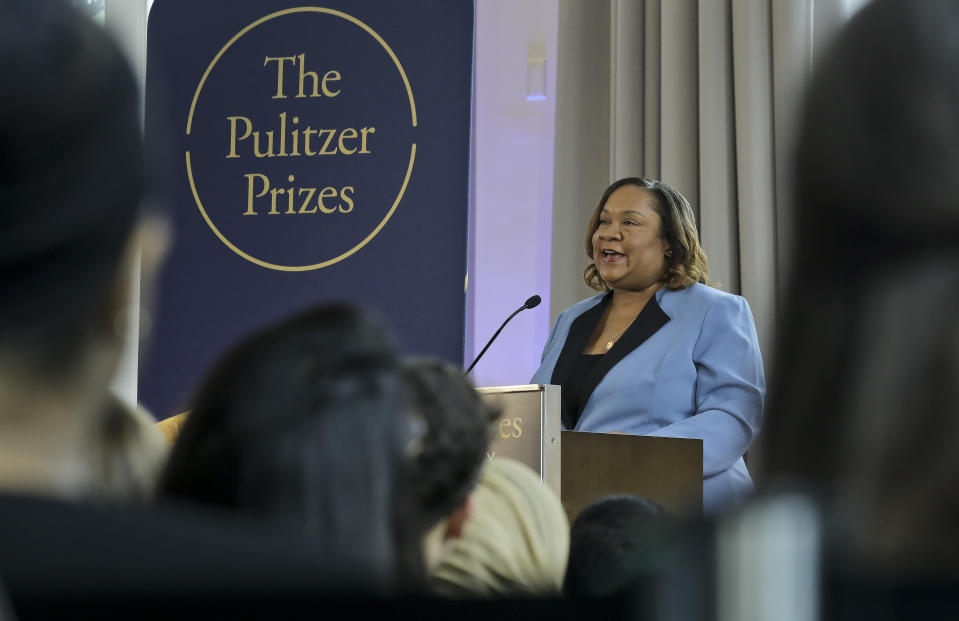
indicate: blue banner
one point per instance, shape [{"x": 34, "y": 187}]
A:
[{"x": 318, "y": 153}]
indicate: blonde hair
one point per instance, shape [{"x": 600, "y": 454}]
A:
[
  {"x": 686, "y": 262},
  {"x": 515, "y": 542}
]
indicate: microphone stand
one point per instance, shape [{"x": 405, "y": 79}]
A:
[{"x": 530, "y": 303}]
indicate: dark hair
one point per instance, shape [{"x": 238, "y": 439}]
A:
[
  {"x": 615, "y": 541},
  {"x": 453, "y": 448},
  {"x": 686, "y": 262},
  {"x": 863, "y": 403},
  {"x": 71, "y": 178},
  {"x": 304, "y": 424}
]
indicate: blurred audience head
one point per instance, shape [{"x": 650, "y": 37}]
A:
[
  {"x": 455, "y": 440},
  {"x": 865, "y": 402},
  {"x": 614, "y": 542},
  {"x": 72, "y": 178},
  {"x": 304, "y": 425},
  {"x": 515, "y": 542}
]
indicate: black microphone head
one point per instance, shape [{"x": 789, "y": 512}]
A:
[{"x": 533, "y": 302}]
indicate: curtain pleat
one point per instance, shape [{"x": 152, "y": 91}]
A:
[
  {"x": 652, "y": 112},
  {"x": 755, "y": 174},
  {"x": 629, "y": 125},
  {"x": 679, "y": 100},
  {"x": 718, "y": 217}
]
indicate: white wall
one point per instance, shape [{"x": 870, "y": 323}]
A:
[{"x": 513, "y": 186}]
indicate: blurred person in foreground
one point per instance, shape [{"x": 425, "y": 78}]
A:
[
  {"x": 304, "y": 426},
  {"x": 72, "y": 179},
  {"x": 615, "y": 542},
  {"x": 515, "y": 543},
  {"x": 865, "y": 401},
  {"x": 452, "y": 450}
]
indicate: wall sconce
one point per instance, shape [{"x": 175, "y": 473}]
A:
[{"x": 535, "y": 79}]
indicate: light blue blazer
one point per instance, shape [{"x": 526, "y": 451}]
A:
[{"x": 688, "y": 367}]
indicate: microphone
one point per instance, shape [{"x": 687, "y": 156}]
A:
[{"x": 532, "y": 302}]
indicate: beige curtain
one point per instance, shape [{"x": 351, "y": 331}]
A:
[{"x": 702, "y": 94}]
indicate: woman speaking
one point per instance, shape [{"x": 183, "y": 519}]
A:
[{"x": 659, "y": 352}]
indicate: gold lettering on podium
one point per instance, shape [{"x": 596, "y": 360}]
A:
[{"x": 511, "y": 428}]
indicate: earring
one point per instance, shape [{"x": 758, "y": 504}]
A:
[{"x": 669, "y": 253}]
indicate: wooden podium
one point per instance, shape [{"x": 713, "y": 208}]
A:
[{"x": 584, "y": 467}]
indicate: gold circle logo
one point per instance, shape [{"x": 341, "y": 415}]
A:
[{"x": 409, "y": 169}]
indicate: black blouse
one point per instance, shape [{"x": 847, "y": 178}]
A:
[
  {"x": 574, "y": 394},
  {"x": 578, "y": 382}
]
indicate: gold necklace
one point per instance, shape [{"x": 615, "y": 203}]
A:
[{"x": 612, "y": 339}]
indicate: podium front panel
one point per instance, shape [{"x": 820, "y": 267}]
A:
[
  {"x": 582, "y": 467},
  {"x": 528, "y": 429},
  {"x": 667, "y": 470}
]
